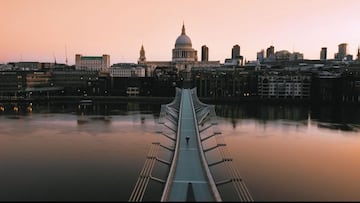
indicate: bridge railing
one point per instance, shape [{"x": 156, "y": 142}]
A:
[
  {"x": 206, "y": 113},
  {"x": 168, "y": 114},
  {"x": 171, "y": 174},
  {"x": 210, "y": 178}
]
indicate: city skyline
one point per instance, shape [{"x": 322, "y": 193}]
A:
[{"x": 41, "y": 30}]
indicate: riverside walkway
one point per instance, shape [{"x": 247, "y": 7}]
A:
[{"x": 189, "y": 177}]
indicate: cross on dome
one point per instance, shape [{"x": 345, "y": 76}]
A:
[{"x": 183, "y": 30}]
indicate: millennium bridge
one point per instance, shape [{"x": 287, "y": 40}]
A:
[{"x": 187, "y": 123}]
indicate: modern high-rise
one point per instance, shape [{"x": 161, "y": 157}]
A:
[
  {"x": 235, "y": 52},
  {"x": 342, "y": 53},
  {"x": 270, "y": 52},
  {"x": 260, "y": 55},
  {"x": 92, "y": 63},
  {"x": 204, "y": 53},
  {"x": 343, "y": 49},
  {"x": 323, "y": 53}
]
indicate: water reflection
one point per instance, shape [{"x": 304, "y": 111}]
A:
[
  {"x": 342, "y": 118},
  {"x": 295, "y": 153},
  {"x": 86, "y": 119},
  {"x": 342, "y": 127},
  {"x": 50, "y": 157},
  {"x": 283, "y": 152}
]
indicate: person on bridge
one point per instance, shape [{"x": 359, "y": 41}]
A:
[{"x": 187, "y": 139}]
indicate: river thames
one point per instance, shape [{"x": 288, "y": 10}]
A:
[{"x": 283, "y": 152}]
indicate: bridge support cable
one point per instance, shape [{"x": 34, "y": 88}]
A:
[
  {"x": 168, "y": 115},
  {"x": 238, "y": 183},
  {"x": 162, "y": 114},
  {"x": 157, "y": 179},
  {"x": 205, "y": 128},
  {"x": 210, "y": 136},
  {"x": 172, "y": 115},
  {"x": 144, "y": 177},
  {"x": 219, "y": 162},
  {"x": 163, "y": 161},
  {"x": 168, "y": 148},
  {"x": 172, "y": 111},
  {"x": 202, "y": 120},
  {"x": 169, "y": 127},
  {"x": 214, "y": 147},
  {"x": 172, "y": 121},
  {"x": 223, "y": 182},
  {"x": 166, "y": 135}
]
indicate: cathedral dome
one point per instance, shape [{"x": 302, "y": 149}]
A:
[
  {"x": 183, "y": 40},
  {"x": 183, "y": 51}
]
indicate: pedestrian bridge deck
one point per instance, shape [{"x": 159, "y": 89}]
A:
[{"x": 189, "y": 177}]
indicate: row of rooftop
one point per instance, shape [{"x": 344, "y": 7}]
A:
[
  {"x": 184, "y": 56},
  {"x": 303, "y": 80},
  {"x": 270, "y": 57}
]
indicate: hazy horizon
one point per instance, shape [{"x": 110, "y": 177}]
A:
[{"x": 38, "y": 30}]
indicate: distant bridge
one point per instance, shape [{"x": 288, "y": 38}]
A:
[{"x": 189, "y": 178}]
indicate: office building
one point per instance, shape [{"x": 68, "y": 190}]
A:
[
  {"x": 323, "y": 53},
  {"x": 270, "y": 54},
  {"x": 260, "y": 55},
  {"x": 235, "y": 52},
  {"x": 342, "y": 52},
  {"x": 284, "y": 85},
  {"x": 204, "y": 53},
  {"x": 92, "y": 63},
  {"x": 127, "y": 70}
]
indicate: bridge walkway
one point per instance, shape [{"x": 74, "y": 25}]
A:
[{"x": 189, "y": 171}]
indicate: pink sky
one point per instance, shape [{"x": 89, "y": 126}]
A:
[{"x": 35, "y": 30}]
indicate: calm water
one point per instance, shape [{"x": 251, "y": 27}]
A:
[{"x": 282, "y": 152}]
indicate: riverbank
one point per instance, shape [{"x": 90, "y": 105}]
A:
[
  {"x": 165, "y": 100},
  {"x": 94, "y": 99}
]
